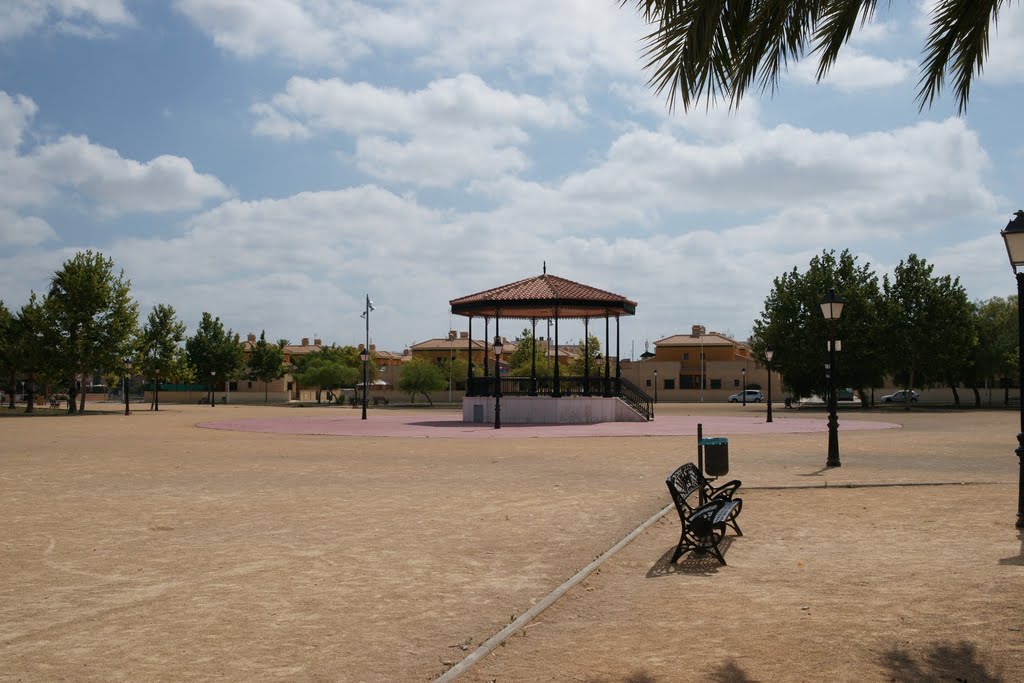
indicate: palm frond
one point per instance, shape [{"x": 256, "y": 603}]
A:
[
  {"x": 958, "y": 43},
  {"x": 836, "y": 24}
]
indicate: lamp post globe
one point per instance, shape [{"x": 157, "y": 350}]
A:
[
  {"x": 498, "y": 347},
  {"x": 769, "y": 353},
  {"x": 1013, "y": 235},
  {"x": 364, "y": 356},
  {"x": 831, "y": 308}
]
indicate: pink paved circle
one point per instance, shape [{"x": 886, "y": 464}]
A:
[{"x": 419, "y": 426}]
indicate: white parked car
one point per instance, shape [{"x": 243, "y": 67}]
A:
[
  {"x": 753, "y": 396},
  {"x": 900, "y": 397}
]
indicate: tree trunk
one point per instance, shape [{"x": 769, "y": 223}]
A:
[
  {"x": 13, "y": 387},
  {"x": 427, "y": 396},
  {"x": 906, "y": 396},
  {"x": 1006, "y": 394},
  {"x": 73, "y": 395},
  {"x": 81, "y": 404},
  {"x": 266, "y": 394},
  {"x": 977, "y": 397},
  {"x": 30, "y": 394},
  {"x": 956, "y": 396}
]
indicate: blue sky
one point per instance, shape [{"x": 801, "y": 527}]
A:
[{"x": 272, "y": 161}]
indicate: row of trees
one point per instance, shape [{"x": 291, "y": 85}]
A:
[
  {"x": 916, "y": 327},
  {"x": 88, "y": 322}
]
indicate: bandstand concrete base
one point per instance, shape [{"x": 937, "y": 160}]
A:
[{"x": 549, "y": 410}]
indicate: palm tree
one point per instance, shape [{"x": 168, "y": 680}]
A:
[{"x": 712, "y": 49}]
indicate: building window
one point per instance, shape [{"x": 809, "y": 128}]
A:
[
  {"x": 289, "y": 386},
  {"x": 716, "y": 384},
  {"x": 670, "y": 384},
  {"x": 686, "y": 356},
  {"x": 648, "y": 382},
  {"x": 735, "y": 382},
  {"x": 250, "y": 385},
  {"x": 233, "y": 386},
  {"x": 689, "y": 381}
]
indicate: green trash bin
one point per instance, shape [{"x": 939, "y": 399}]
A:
[{"x": 716, "y": 456}]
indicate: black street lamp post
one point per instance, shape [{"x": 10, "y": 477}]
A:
[
  {"x": 1013, "y": 235},
  {"x": 213, "y": 375},
  {"x": 497, "y": 381},
  {"x": 655, "y": 385},
  {"x": 743, "y": 392},
  {"x": 127, "y": 365},
  {"x": 832, "y": 308},
  {"x": 768, "y": 355},
  {"x": 364, "y": 356}
]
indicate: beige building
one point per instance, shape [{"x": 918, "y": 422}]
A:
[{"x": 700, "y": 366}]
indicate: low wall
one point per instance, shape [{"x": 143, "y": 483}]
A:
[{"x": 548, "y": 410}]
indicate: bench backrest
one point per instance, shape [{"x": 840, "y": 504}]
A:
[{"x": 682, "y": 484}]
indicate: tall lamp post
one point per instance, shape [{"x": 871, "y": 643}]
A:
[
  {"x": 655, "y": 385},
  {"x": 1013, "y": 235},
  {"x": 768, "y": 355},
  {"x": 743, "y": 392},
  {"x": 127, "y": 365},
  {"x": 832, "y": 308},
  {"x": 364, "y": 356},
  {"x": 497, "y": 381},
  {"x": 213, "y": 375}
]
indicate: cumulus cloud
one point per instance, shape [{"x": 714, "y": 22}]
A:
[
  {"x": 15, "y": 113},
  {"x": 573, "y": 37},
  {"x": 118, "y": 185},
  {"x": 854, "y": 70},
  {"x": 452, "y": 129},
  {"x": 85, "y": 18},
  {"x": 23, "y": 231}
]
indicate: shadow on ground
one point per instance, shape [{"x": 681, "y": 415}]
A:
[
  {"x": 957, "y": 662},
  {"x": 689, "y": 564}
]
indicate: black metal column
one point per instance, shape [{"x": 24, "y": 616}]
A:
[
  {"x": 533, "y": 357},
  {"x": 769, "y": 392},
  {"x": 833, "y": 419},
  {"x": 487, "y": 328},
  {"x": 469, "y": 362},
  {"x": 586, "y": 356},
  {"x": 558, "y": 387},
  {"x": 1020, "y": 385},
  {"x": 607, "y": 360}
]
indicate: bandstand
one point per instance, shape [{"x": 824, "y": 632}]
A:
[{"x": 604, "y": 397}]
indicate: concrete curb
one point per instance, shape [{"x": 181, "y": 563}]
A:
[{"x": 529, "y": 615}]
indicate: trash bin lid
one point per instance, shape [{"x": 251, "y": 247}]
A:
[{"x": 714, "y": 441}]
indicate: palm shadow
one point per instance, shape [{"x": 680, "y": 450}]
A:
[
  {"x": 958, "y": 662},
  {"x": 728, "y": 672}
]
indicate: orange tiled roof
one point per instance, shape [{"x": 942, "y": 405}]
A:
[{"x": 543, "y": 296}]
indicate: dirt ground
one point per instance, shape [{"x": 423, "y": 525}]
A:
[{"x": 146, "y": 548}]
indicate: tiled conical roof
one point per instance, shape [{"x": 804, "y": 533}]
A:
[{"x": 544, "y": 296}]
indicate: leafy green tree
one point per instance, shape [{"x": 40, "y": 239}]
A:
[
  {"x": 454, "y": 371},
  {"x": 521, "y": 361},
  {"x": 792, "y": 324},
  {"x": 266, "y": 363},
  {"x": 332, "y": 368},
  {"x": 420, "y": 377},
  {"x": 707, "y": 49},
  {"x": 30, "y": 349},
  {"x": 995, "y": 357},
  {"x": 578, "y": 365},
  {"x": 159, "y": 347},
  {"x": 214, "y": 350},
  {"x": 93, "y": 315},
  {"x": 7, "y": 366},
  {"x": 929, "y": 332}
]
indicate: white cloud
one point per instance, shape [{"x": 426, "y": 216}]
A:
[
  {"x": 1005, "y": 63},
  {"x": 23, "y": 231},
  {"x": 15, "y": 113},
  {"x": 84, "y": 18},
  {"x": 854, "y": 71},
  {"x": 573, "y": 37},
  {"x": 452, "y": 129}
]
